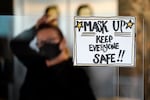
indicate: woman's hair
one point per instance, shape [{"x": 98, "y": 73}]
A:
[{"x": 47, "y": 26}]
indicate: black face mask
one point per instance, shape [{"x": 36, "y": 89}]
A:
[{"x": 50, "y": 50}]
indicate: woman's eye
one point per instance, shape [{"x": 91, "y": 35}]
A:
[
  {"x": 39, "y": 43},
  {"x": 51, "y": 41}
]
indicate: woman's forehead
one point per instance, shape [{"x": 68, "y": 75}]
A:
[{"x": 47, "y": 33}]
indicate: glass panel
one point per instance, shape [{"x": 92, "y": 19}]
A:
[
  {"x": 131, "y": 80},
  {"x": 104, "y": 80},
  {"x": 108, "y": 83}
]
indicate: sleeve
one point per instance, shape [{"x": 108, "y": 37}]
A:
[{"x": 20, "y": 47}]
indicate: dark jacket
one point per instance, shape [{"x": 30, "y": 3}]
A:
[{"x": 60, "y": 82}]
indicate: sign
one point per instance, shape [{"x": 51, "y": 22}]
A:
[{"x": 104, "y": 41}]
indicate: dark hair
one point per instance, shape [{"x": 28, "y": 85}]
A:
[
  {"x": 49, "y": 8},
  {"x": 46, "y": 26},
  {"x": 83, "y": 6}
]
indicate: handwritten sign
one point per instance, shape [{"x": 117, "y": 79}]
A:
[{"x": 104, "y": 41}]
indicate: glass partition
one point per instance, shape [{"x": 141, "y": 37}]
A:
[{"x": 107, "y": 83}]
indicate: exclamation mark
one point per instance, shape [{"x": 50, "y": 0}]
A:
[
  {"x": 122, "y": 55},
  {"x": 119, "y": 55}
]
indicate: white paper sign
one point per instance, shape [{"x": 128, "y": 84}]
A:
[{"x": 104, "y": 41}]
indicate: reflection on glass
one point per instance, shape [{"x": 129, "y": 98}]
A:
[
  {"x": 84, "y": 10},
  {"x": 53, "y": 13}
]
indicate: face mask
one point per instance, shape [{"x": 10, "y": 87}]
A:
[{"x": 50, "y": 50}]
